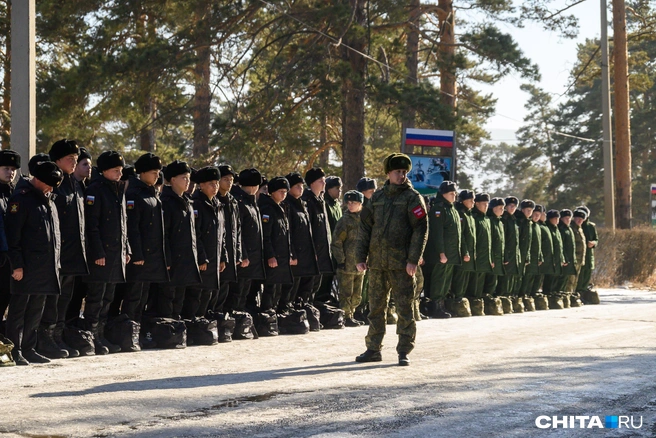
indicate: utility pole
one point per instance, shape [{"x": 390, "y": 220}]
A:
[
  {"x": 622, "y": 121},
  {"x": 609, "y": 180},
  {"x": 23, "y": 79}
]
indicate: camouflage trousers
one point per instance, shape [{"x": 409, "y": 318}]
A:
[
  {"x": 350, "y": 291},
  {"x": 419, "y": 287},
  {"x": 402, "y": 288},
  {"x": 572, "y": 280}
]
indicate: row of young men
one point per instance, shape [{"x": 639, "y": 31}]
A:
[
  {"x": 206, "y": 249},
  {"x": 480, "y": 247}
]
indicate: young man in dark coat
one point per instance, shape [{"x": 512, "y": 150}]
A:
[
  {"x": 569, "y": 249},
  {"x": 34, "y": 249},
  {"x": 507, "y": 283},
  {"x": 146, "y": 236},
  {"x": 532, "y": 269},
  {"x": 277, "y": 243},
  {"x": 552, "y": 252},
  {"x": 69, "y": 199},
  {"x": 524, "y": 237},
  {"x": 304, "y": 263},
  {"x": 210, "y": 243},
  {"x": 10, "y": 162},
  {"x": 108, "y": 250},
  {"x": 233, "y": 237},
  {"x": 484, "y": 263},
  {"x": 463, "y": 274},
  {"x": 251, "y": 267},
  {"x": 179, "y": 240},
  {"x": 499, "y": 263},
  {"x": 315, "y": 179}
]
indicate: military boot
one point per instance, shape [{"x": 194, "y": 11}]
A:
[
  {"x": 58, "y": 337},
  {"x": 493, "y": 306},
  {"x": 555, "y": 301},
  {"x": 518, "y": 304},
  {"x": 369, "y": 356},
  {"x": 477, "y": 306},
  {"x": 541, "y": 302},
  {"x": 575, "y": 300},
  {"x": 112, "y": 348},
  {"x": 529, "y": 304},
  {"x": 507, "y": 305},
  {"x": 438, "y": 310},
  {"x": 46, "y": 345},
  {"x": 100, "y": 348},
  {"x": 565, "y": 296},
  {"x": 18, "y": 357},
  {"x": 31, "y": 356},
  {"x": 403, "y": 359}
]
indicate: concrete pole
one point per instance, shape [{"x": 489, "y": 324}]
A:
[
  {"x": 23, "y": 79},
  {"x": 609, "y": 179}
]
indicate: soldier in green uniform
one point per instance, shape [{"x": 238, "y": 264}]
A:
[
  {"x": 579, "y": 216},
  {"x": 569, "y": 250},
  {"x": 524, "y": 238},
  {"x": 366, "y": 186},
  {"x": 464, "y": 274},
  {"x": 483, "y": 253},
  {"x": 552, "y": 252},
  {"x": 490, "y": 290},
  {"x": 592, "y": 238},
  {"x": 332, "y": 197},
  {"x": 506, "y": 284},
  {"x": 392, "y": 237},
  {"x": 532, "y": 269},
  {"x": 344, "y": 248},
  {"x": 443, "y": 250},
  {"x": 545, "y": 239}
]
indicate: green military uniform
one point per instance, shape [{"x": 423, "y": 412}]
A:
[
  {"x": 532, "y": 270},
  {"x": 524, "y": 239},
  {"x": 591, "y": 236},
  {"x": 393, "y": 233},
  {"x": 344, "y": 244},
  {"x": 579, "y": 252},
  {"x": 483, "y": 251},
  {"x": 444, "y": 238},
  {"x": 569, "y": 253},
  {"x": 554, "y": 258},
  {"x": 498, "y": 254},
  {"x": 546, "y": 246},
  {"x": 506, "y": 284},
  {"x": 464, "y": 274},
  {"x": 334, "y": 210}
]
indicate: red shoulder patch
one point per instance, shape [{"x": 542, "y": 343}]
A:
[{"x": 419, "y": 212}]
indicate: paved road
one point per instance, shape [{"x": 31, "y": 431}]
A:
[{"x": 482, "y": 376}]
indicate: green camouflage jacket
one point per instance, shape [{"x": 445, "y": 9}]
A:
[
  {"x": 345, "y": 240},
  {"x": 483, "y": 241},
  {"x": 468, "y": 238},
  {"x": 445, "y": 233},
  {"x": 536, "y": 249},
  {"x": 334, "y": 210},
  {"x": 581, "y": 244},
  {"x": 569, "y": 248},
  {"x": 511, "y": 249}
]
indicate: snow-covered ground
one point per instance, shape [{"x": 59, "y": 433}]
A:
[{"x": 480, "y": 376}]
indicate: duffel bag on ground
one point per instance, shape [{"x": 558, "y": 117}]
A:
[
  {"x": 202, "y": 331},
  {"x": 313, "y": 316},
  {"x": 6, "y": 360},
  {"x": 267, "y": 324},
  {"x": 123, "y": 332},
  {"x": 244, "y": 328},
  {"x": 293, "y": 323},
  {"x": 78, "y": 338},
  {"x": 166, "y": 332},
  {"x": 331, "y": 317}
]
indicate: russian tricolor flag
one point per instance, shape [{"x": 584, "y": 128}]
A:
[{"x": 428, "y": 138}]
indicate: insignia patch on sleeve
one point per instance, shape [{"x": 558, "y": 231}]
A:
[
  {"x": 438, "y": 213},
  {"x": 13, "y": 207},
  {"x": 195, "y": 213},
  {"x": 91, "y": 200},
  {"x": 265, "y": 218},
  {"x": 130, "y": 205},
  {"x": 419, "y": 212}
]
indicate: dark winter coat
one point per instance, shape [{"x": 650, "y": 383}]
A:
[
  {"x": 321, "y": 235},
  {"x": 445, "y": 233},
  {"x": 590, "y": 231},
  {"x": 233, "y": 236},
  {"x": 251, "y": 235},
  {"x": 6, "y": 190},
  {"x": 107, "y": 230},
  {"x": 345, "y": 240},
  {"x": 552, "y": 250},
  {"x": 210, "y": 238},
  {"x": 498, "y": 243},
  {"x": 145, "y": 234},
  {"x": 468, "y": 237},
  {"x": 301, "y": 237},
  {"x": 33, "y": 237},
  {"x": 581, "y": 244},
  {"x": 535, "y": 250},
  {"x": 524, "y": 237},
  {"x": 569, "y": 248},
  {"x": 483, "y": 241},
  {"x": 180, "y": 238},
  {"x": 512, "y": 254},
  {"x": 277, "y": 243},
  {"x": 70, "y": 209}
]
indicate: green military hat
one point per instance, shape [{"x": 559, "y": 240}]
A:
[
  {"x": 552, "y": 214},
  {"x": 482, "y": 197},
  {"x": 565, "y": 213},
  {"x": 495, "y": 202},
  {"x": 580, "y": 213},
  {"x": 353, "y": 195},
  {"x": 539, "y": 208},
  {"x": 527, "y": 203},
  {"x": 465, "y": 194},
  {"x": 448, "y": 186},
  {"x": 397, "y": 161}
]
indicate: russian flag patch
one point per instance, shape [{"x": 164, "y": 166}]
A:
[
  {"x": 195, "y": 213},
  {"x": 130, "y": 205},
  {"x": 438, "y": 213},
  {"x": 419, "y": 212},
  {"x": 91, "y": 200},
  {"x": 265, "y": 218}
]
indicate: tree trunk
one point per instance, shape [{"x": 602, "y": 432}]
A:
[
  {"x": 5, "y": 134},
  {"x": 147, "y": 134},
  {"x": 447, "y": 50},
  {"x": 324, "y": 157},
  {"x": 411, "y": 61},
  {"x": 622, "y": 121},
  {"x": 201, "y": 110}
]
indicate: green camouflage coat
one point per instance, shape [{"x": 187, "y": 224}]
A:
[
  {"x": 581, "y": 244},
  {"x": 552, "y": 250},
  {"x": 445, "y": 233},
  {"x": 511, "y": 250},
  {"x": 524, "y": 238},
  {"x": 334, "y": 210},
  {"x": 483, "y": 241},
  {"x": 498, "y": 243},
  {"x": 344, "y": 243},
  {"x": 569, "y": 248},
  {"x": 536, "y": 249}
]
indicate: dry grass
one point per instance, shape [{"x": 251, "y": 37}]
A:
[{"x": 625, "y": 256}]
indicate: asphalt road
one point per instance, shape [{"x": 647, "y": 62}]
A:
[{"x": 481, "y": 376}]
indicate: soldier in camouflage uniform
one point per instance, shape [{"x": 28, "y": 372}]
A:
[
  {"x": 592, "y": 238},
  {"x": 366, "y": 186},
  {"x": 344, "y": 248},
  {"x": 579, "y": 216},
  {"x": 569, "y": 250},
  {"x": 391, "y": 242}
]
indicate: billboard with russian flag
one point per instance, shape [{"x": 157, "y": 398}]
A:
[{"x": 433, "y": 155}]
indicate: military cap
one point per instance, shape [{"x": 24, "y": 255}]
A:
[
  {"x": 465, "y": 194},
  {"x": 109, "y": 160},
  {"x": 353, "y": 195},
  {"x": 448, "y": 186},
  {"x": 565, "y": 213},
  {"x": 294, "y": 178},
  {"x": 278, "y": 183},
  {"x": 63, "y": 148},
  {"x": 333, "y": 181},
  {"x": 397, "y": 161},
  {"x": 36, "y": 159},
  {"x": 176, "y": 168},
  {"x": 482, "y": 197},
  {"x": 48, "y": 173},
  {"x": 512, "y": 200},
  {"x": 314, "y": 174},
  {"x": 147, "y": 162},
  {"x": 552, "y": 214},
  {"x": 128, "y": 171},
  {"x": 206, "y": 174},
  {"x": 265, "y": 182},
  {"x": 584, "y": 208},
  {"x": 495, "y": 202},
  {"x": 527, "y": 203},
  {"x": 10, "y": 158},
  {"x": 84, "y": 153},
  {"x": 539, "y": 208},
  {"x": 226, "y": 170},
  {"x": 365, "y": 184},
  {"x": 580, "y": 213},
  {"x": 250, "y": 177}
]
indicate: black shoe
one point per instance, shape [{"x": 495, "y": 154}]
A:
[
  {"x": 403, "y": 360},
  {"x": 34, "y": 357},
  {"x": 351, "y": 322},
  {"x": 369, "y": 356},
  {"x": 18, "y": 358},
  {"x": 59, "y": 340},
  {"x": 46, "y": 345}
]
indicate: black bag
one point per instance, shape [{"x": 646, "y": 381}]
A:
[
  {"x": 166, "y": 332},
  {"x": 225, "y": 326},
  {"x": 313, "y": 317},
  {"x": 79, "y": 339},
  {"x": 201, "y": 331},
  {"x": 123, "y": 332},
  {"x": 293, "y": 323},
  {"x": 331, "y": 317},
  {"x": 244, "y": 328},
  {"x": 267, "y": 324}
]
